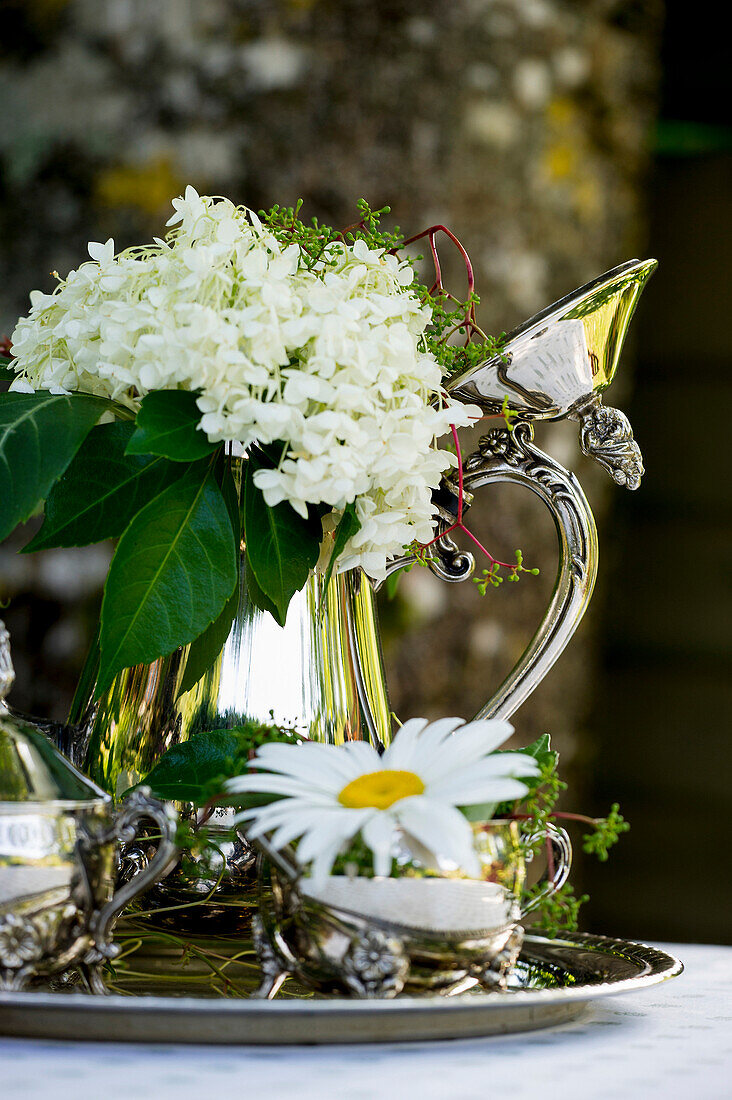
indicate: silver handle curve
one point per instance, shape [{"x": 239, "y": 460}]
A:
[
  {"x": 510, "y": 456},
  {"x": 562, "y": 856},
  {"x": 137, "y": 807}
]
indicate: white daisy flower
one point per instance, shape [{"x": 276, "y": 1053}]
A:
[{"x": 412, "y": 791}]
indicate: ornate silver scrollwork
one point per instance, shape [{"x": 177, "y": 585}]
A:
[
  {"x": 273, "y": 972},
  {"x": 511, "y": 456},
  {"x": 137, "y": 807},
  {"x": 375, "y": 964},
  {"x": 26, "y": 940},
  {"x": 606, "y": 436},
  {"x": 494, "y": 976}
]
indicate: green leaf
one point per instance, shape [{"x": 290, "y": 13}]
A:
[
  {"x": 185, "y": 771},
  {"x": 167, "y": 425},
  {"x": 7, "y": 374},
  {"x": 348, "y": 525},
  {"x": 172, "y": 573},
  {"x": 282, "y": 547},
  {"x": 545, "y": 756},
  {"x": 39, "y": 435},
  {"x": 196, "y": 769},
  {"x": 257, "y": 596},
  {"x": 102, "y": 490},
  {"x": 206, "y": 647}
]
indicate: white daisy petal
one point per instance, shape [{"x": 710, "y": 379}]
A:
[
  {"x": 333, "y": 826},
  {"x": 322, "y": 863},
  {"x": 491, "y": 732},
  {"x": 362, "y": 757},
  {"x": 446, "y": 761},
  {"x": 401, "y": 752},
  {"x": 468, "y": 745},
  {"x": 442, "y": 829},
  {"x": 503, "y": 789},
  {"x": 378, "y": 834}
]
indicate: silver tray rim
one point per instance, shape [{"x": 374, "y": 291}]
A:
[{"x": 328, "y": 1021}]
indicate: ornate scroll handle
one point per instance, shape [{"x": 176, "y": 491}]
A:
[
  {"x": 562, "y": 857},
  {"x": 137, "y": 807},
  {"x": 512, "y": 456}
]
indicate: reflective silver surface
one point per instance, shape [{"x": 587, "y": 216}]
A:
[
  {"x": 563, "y": 354},
  {"x": 59, "y": 841},
  {"x": 558, "y": 363},
  {"x": 321, "y": 674},
  {"x": 162, "y": 994}
]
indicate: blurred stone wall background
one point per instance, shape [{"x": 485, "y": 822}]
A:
[{"x": 522, "y": 124}]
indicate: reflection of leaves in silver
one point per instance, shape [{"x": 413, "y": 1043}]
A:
[
  {"x": 493, "y": 977},
  {"x": 375, "y": 965},
  {"x": 21, "y": 941}
]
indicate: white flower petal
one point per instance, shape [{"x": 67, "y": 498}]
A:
[
  {"x": 402, "y": 753},
  {"x": 378, "y": 833},
  {"x": 440, "y": 828}
]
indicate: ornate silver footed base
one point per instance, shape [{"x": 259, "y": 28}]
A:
[{"x": 375, "y": 965}]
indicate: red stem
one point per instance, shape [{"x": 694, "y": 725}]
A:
[
  {"x": 459, "y": 455},
  {"x": 434, "y": 229},
  {"x": 459, "y": 525}
]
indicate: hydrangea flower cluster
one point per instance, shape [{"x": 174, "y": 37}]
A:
[{"x": 327, "y": 357}]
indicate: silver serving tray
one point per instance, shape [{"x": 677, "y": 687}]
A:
[{"x": 555, "y": 980}]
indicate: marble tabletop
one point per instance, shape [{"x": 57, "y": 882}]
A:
[{"x": 671, "y": 1041}]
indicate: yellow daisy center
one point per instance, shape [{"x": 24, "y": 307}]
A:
[{"x": 380, "y": 789}]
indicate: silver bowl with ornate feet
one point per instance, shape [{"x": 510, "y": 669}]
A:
[
  {"x": 378, "y": 937},
  {"x": 59, "y": 854}
]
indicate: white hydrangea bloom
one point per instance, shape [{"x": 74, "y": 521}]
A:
[{"x": 328, "y": 360}]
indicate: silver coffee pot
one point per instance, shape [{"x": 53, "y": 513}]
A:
[{"x": 59, "y": 855}]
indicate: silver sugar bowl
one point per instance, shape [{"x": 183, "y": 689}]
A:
[
  {"x": 381, "y": 937},
  {"x": 59, "y": 855}
]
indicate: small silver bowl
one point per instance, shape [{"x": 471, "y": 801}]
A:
[{"x": 333, "y": 948}]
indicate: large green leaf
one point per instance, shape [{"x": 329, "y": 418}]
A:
[
  {"x": 257, "y": 597},
  {"x": 39, "y": 435},
  {"x": 196, "y": 769},
  {"x": 348, "y": 525},
  {"x": 174, "y": 569},
  {"x": 102, "y": 490},
  {"x": 206, "y": 648},
  {"x": 185, "y": 772},
  {"x": 282, "y": 547},
  {"x": 167, "y": 425}
]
